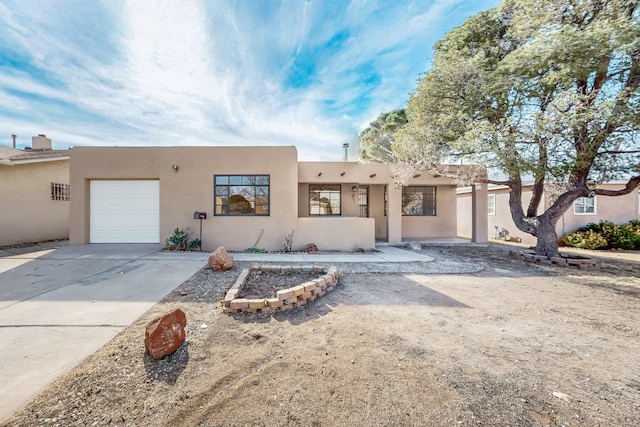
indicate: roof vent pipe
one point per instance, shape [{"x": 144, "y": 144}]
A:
[{"x": 14, "y": 136}]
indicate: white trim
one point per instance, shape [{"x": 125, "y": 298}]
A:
[
  {"x": 39, "y": 160},
  {"x": 595, "y": 206},
  {"x": 489, "y": 210}
]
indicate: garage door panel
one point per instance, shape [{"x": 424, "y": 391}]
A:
[{"x": 125, "y": 211}]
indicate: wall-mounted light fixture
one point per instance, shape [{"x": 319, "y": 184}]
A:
[
  {"x": 354, "y": 188},
  {"x": 175, "y": 168},
  {"x": 372, "y": 175},
  {"x": 319, "y": 173},
  {"x": 342, "y": 174}
]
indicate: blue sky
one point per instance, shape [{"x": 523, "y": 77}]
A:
[{"x": 309, "y": 73}]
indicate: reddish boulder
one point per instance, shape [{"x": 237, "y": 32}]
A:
[
  {"x": 165, "y": 333},
  {"x": 310, "y": 248},
  {"x": 221, "y": 260}
]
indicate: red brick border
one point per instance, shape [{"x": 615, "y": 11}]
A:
[
  {"x": 285, "y": 299},
  {"x": 579, "y": 262}
]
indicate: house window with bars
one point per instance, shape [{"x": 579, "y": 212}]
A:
[{"x": 59, "y": 191}]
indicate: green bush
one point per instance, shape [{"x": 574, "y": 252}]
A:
[
  {"x": 606, "y": 235},
  {"x": 179, "y": 241},
  {"x": 588, "y": 239}
]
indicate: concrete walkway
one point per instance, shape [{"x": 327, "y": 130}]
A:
[
  {"x": 58, "y": 306},
  {"x": 385, "y": 254}
]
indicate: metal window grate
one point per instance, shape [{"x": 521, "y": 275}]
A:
[{"x": 60, "y": 191}]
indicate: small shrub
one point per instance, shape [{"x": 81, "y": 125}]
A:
[
  {"x": 588, "y": 239},
  {"x": 606, "y": 235},
  {"x": 179, "y": 241},
  {"x": 194, "y": 244}
]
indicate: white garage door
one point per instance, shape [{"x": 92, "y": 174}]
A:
[{"x": 125, "y": 211}]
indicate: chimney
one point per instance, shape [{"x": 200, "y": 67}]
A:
[
  {"x": 14, "y": 136},
  {"x": 41, "y": 142}
]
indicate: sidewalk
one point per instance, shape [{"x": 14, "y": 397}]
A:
[{"x": 384, "y": 254}]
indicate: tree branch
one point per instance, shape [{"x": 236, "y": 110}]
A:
[
  {"x": 619, "y": 152},
  {"x": 494, "y": 182},
  {"x": 631, "y": 185}
]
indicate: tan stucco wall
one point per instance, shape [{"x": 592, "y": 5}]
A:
[
  {"x": 615, "y": 209},
  {"x": 28, "y": 213},
  {"x": 335, "y": 233},
  {"x": 443, "y": 224},
  {"x": 376, "y": 210},
  {"x": 191, "y": 189},
  {"x": 395, "y": 227}
]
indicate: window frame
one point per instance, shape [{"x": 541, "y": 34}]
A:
[
  {"x": 60, "y": 192},
  {"x": 491, "y": 208},
  {"x": 229, "y": 194},
  {"x": 424, "y": 206},
  {"x": 595, "y": 206},
  {"x": 322, "y": 188}
]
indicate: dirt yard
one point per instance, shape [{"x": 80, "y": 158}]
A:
[{"x": 513, "y": 344}]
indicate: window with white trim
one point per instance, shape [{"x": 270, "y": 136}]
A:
[
  {"x": 491, "y": 204},
  {"x": 585, "y": 206}
]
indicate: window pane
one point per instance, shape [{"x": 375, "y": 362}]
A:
[
  {"x": 324, "y": 199},
  {"x": 419, "y": 201},
  {"x": 239, "y": 196},
  {"x": 412, "y": 204},
  {"x": 262, "y": 180}
]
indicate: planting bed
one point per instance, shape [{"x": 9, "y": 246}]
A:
[{"x": 282, "y": 299}]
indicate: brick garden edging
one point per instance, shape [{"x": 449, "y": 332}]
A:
[
  {"x": 580, "y": 262},
  {"x": 285, "y": 299}
]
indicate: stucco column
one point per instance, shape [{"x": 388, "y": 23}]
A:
[
  {"x": 479, "y": 223},
  {"x": 394, "y": 214}
]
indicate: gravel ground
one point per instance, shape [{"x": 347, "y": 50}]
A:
[{"x": 476, "y": 337}]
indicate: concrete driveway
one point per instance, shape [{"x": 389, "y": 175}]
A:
[{"x": 58, "y": 306}]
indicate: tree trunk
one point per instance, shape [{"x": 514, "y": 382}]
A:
[{"x": 547, "y": 243}]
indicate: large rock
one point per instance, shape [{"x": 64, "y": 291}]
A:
[
  {"x": 221, "y": 260},
  {"x": 310, "y": 248},
  {"x": 165, "y": 333}
]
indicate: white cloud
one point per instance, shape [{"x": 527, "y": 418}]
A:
[{"x": 160, "y": 72}]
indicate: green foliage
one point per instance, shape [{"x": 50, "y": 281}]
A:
[
  {"x": 179, "y": 241},
  {"x": 535, "y": 90},
  {"x": 606, "y": 235},
  {"x": 588, "y": 239},
  {"x": 194, "y": 244},
  {"x": 256, "y": 250},
  {"x": 377, "y": 140}
]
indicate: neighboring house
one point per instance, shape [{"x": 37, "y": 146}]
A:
[
  {"x": 141, "y": 194},
  {"x": 585, "y": 210},
  {"x": 35, "y": 193}
]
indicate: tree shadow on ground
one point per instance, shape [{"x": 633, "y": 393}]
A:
[{"x": 362, "y": 289}]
